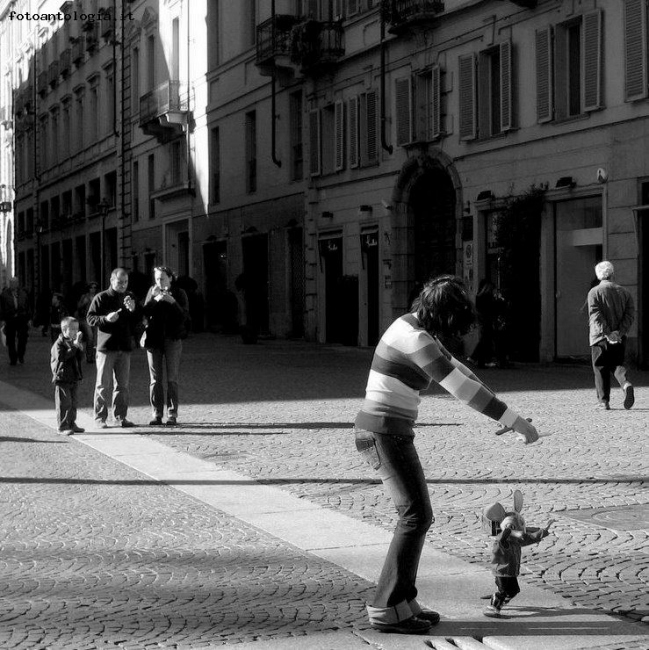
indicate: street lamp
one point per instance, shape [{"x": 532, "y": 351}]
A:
[{"x": 103, "y": 206}]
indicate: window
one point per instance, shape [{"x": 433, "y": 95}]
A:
[
  {"x": 295, "y": 125},
  {"x": 251, "y": 152},
  {"x": 44, "y": 215},
  {"x": 150, "y": 63},
  {"x": 486, "y": 93},
  {"x": 135, "y": 78},
  {"x": 44, "y": 137},
  {"x": 213, "y": 40},
  {"x": 151, "y": 184},
  {"x": 363, "y": 130},
  {"x": 54, "y": 134},
  {"x": 93, "y": 108},
  {"x": 332, "y": 155},
  {"x": 176, "y": 162},
  {"x": 65, "y": 129},
  {"x": 175, "y": 49},
  {"x": 569, "y": 68},
  {"x": 215, "y": 165},
  {"x": 78, "y": 127},
  {"x": 109, "y": 101},
  {"x": 135, "y": 192},
  {"x": 251, "y": 27}
]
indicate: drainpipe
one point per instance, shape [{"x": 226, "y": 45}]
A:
[
  {"x": 384, "y": 144},
  {"x": 273, "y": 133}
]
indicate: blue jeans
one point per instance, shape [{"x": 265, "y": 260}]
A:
[
  {"x": 169, "y": 356},
  {"x": 113, "y": 371},
  {"x": 395, "y": 459}
]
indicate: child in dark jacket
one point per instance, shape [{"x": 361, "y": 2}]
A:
[{"x": 65, "y": 360}]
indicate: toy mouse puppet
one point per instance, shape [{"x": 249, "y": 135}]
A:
[{"x": 511, "y": 535}]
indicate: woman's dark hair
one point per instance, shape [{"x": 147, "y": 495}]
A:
[
  {"x": 167, "y": 271},
  {"x": 444, "y": 308}
]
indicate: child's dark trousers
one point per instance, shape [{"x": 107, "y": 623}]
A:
[{"x": 65, "y": 400}]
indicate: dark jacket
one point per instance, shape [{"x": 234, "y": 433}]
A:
[
  {"x": 506, "y": 550},
  {"x": 112, "y": 337},
  {"x": 165, "y": 320},
  {"x": 610, "y": 309},
  {"x": 66, "y": 361},
  {"x": 8, "y": 309}
]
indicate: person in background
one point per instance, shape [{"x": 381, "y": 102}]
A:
[
  {"x": 14, "y": 314},
  {"x": 166, "y": 312},
  {"x": 115, "y": 314},
  {"x": 65, "y": 361},
  {"x": 89, "y": 333},
  {"x": 408, "y": 358},
  {"x": 611, "y": 313},
  {"x": 58, "y": 311}
]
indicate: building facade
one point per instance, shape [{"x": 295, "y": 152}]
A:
[{"x": 309, "y": 163}]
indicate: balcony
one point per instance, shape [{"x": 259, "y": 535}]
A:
[
  {"x": 274, "y": 44},
  {"x": 41, "y": 83},
  {"x": 91, "y": 30},
  {"x": 316, "y": 45},
  {"x": 164, "y": 111},
  {"x": 528, "y": 4},
  {"x": 403, "y": 15},
  {"x": 64, "y": 62},
  {"x": 53, "y": 74}
]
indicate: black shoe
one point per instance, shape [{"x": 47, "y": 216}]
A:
[
  {"x": 21, "y": 360},
  {"x": 171, "y": 421},
  {"x": 101, "y": 424},
  {"x": 429, "y": 615},
  {"x": 156, "y": 422},
  {"x": 127, "y": 424},
  {"x": 13, "y": 363},
  {"x": 629, "y": 397},
  {"x": 604, "y": 406},
  {"x": 413, "y": 625}
]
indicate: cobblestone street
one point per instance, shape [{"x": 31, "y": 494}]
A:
[{"x": 148, "y": 567}]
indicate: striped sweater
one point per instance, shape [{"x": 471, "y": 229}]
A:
[{"x": 406, "y": 361}]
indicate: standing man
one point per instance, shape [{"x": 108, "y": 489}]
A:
[
  {"x": 113, "y": 312},
  {"x": 610, "y": 316},
  {"x": 14, "y": 311}
]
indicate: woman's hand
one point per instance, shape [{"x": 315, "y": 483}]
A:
[{"x": 525, "y": 430}]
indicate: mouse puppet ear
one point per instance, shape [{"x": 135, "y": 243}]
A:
[{"x": 495, "y": 512}]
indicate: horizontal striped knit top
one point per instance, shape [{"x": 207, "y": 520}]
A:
[{"x": 406, "y": 361}]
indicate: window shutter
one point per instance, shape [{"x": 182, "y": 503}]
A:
[
  {"x": 436, "y": 102},
  {"x": 506, "y": 90},
  {"x": 544, "y": 96},
  {"x": 371, "y": 126},
  {"x": 352, "y": 130},
  {"x": 467, "y": 97},
  {"x": 635, "y": 49},
  {"x": 315, "y": 167},
  {"x": 403, "y": 94},
  {"x": 339, "y": 131},
  {"x": 352, "y": 7},
  {"x": 591, "y": 61}
]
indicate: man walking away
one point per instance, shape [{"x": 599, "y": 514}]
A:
[
  {"x": 610, "y": 315},
  {"x": 15, "y": 312}
]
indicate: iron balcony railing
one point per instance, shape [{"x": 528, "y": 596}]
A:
[
  {"x": 64, "y": 61},
  {"x": 399, "y": 12},
  {"x": 166, "y": 98},
  {"x": 274, "y": 37},
  {"x": 316, "y": 43}
]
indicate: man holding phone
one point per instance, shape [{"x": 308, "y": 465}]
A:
[{"x": 115, "y": 314}]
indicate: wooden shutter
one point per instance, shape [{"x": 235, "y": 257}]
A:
[
  {"x": 403, "y": 95},
  {"x": 315, "y": 125},
  {"x": 339, "y": 134},
  {"x": 436, "y": 102},
  {"x": 635, "y": 49},
  {"x": 352, "y": 130},
  {"x": 371, "y": 153},
  {"x": 591, "y": 61},
  {"x": 544, "y": 94},
  {"x": 506, "y": 90},
  {"x": 467, "y": 97}
]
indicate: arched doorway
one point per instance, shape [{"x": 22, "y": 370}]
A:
[{"x": 432, "y": 201}]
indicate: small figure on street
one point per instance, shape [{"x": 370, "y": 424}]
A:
[
  {"x": 15, "y": 316},
  {"x": 166, "y": 311},
  {"x": 491, "y": 308},
  {"x": 89, "y": 333},
  {"x": 407, "y": 359},
  {"x": 115, "y": 314},
  {"x": 511, "y": 535},
  {"x": 58, "y": 311},
  {"x": 610, "y": 315},
  {"x": 65, "y": 360}
]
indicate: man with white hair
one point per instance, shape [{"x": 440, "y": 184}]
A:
[{"x": 610, "y": 315}]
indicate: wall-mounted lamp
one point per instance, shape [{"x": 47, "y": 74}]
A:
[
  {"x": 327, "y": 215},
  {"x": 566, "y": 181},
  {"x": 5, "y": 206},
  {"x": 485, "y": 195}
]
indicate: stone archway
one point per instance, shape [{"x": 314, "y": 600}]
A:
[{"x": 426, "y": 213}]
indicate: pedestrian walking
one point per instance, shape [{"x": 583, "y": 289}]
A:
[
  {"x": 115, "y": 314},
  {"x": 491, "y": 308},
  {"x": 15, "y": 316},
  {"x": 511, "y": 534},
  {"x": 65, "y": 360},
  {"x": 611, "y": 313},
  {"x": 166, "y": 313},
  {"x": 89, "y": 333},
  {"x": 58, "y": 311},
  {"x": 407, "y": 359}
]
